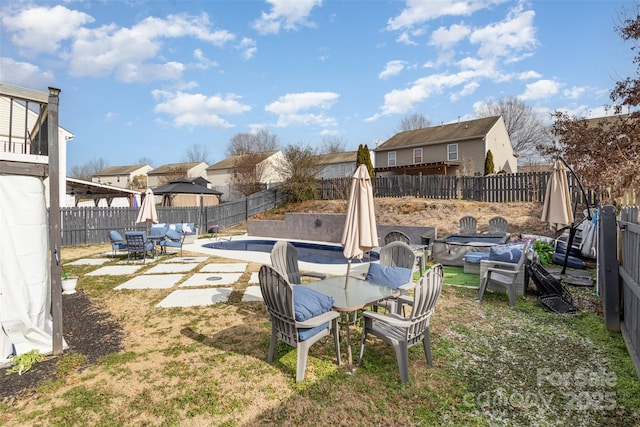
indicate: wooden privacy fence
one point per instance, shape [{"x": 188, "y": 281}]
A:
[
  {"x": 517, "y": 187},
  {"x": 90, "y": 225}
]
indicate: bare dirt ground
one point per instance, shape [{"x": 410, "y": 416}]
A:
[{"x": 523, "y": 218}]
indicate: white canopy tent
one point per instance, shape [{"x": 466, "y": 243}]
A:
[{"x": 25, "y": 293}]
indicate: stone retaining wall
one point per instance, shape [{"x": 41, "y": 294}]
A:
[{"x": 324, "y": 228}]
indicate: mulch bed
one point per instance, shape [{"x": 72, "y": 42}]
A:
[{"x": 87, "y": 329}]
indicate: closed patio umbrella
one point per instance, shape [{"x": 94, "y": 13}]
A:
[
  {"x": 147, "y": 213},
  {"x": 360, "y": 234},
  {"x": 557, "y": 209}
]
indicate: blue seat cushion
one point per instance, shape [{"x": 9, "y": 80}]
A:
[
  {"x": 114, "y": 236},
  {"x": 505, "y": 253},
  {"x": 170, "y": 243},
  {"x": 306, "y": 333},
  {"x": 308, "y": 303},
  {"x": 173, "y": 234},
  {"x": 392, "y": 277}
]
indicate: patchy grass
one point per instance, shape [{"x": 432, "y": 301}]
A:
[{"x": 493, "y": 365}]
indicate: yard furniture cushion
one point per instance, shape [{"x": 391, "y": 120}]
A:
[
  {"x": 308, "y": 303},
  {"x": 173, "y": 234},
  {"x": 393, "y": 277},
  {"x": 505, "y": 253}
]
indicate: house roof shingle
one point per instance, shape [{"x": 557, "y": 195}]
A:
[
  {"x": 230, "y": 161},
  {"x": 345, "y": 157},
  {"x": 458, "y": 131},
  {"x": 118, "y": 170},
  {"x": 173, "y": 168}
]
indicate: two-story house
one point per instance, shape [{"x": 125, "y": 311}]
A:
[
  {"x": 337, "y": 165},
  {"x": 448, "y": 149},
  {"x": 221, "y": 174},
  {"x": 120, "y": 176},
  {"x": 170, "y": 172}
]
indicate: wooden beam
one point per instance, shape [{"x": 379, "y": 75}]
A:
[
  {"x": 23, "y": 93},
  {"x": 24, "y": 168}
]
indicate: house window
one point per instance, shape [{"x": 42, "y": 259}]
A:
[
  {"x": 417, "y": 155},
  {"x": 391, "y": 159},
  {"x": 452, "y": 152}
]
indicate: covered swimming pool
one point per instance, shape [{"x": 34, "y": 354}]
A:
[
  {"x": 451, "y": 249},
  {"x": 317, "y": 253}
]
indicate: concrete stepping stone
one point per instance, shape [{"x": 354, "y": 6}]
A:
[
  {"x": 251, "y": 294},
  {"x": 115, "y": 270},
  {"x": 157, "y": 281},
  {"x": 239, "y": 267},
  {"x": 197, "y": 259},
  {"x": 88, "y": 261},
  {"x": 171, "y": 268},
  {"x": 211, "y": 279},
  {"x": 195, "y": 297},
  {"x": 254, "y": 278}
]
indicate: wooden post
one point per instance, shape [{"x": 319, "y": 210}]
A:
[
  {"x": 608, "y": 278},
  {"x": 55, "y": 235}
]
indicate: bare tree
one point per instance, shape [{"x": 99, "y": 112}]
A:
[
  {"x": 86, "y": 171},
  {"x": 196, "y": 153},
  {"x": 524, "y": 126},
  {"x": 300, "y": 168},
  {"x": 145, "y": 161},
  {"x": 332, "y": 145},
  {"x": 414, "y": 122},
  {"x": 244, "y": 143},
  {"x": 248, "y": 173}
]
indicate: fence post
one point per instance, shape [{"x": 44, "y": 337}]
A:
[{"x": 608, "y": 278}]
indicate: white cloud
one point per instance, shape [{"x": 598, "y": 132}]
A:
[
  {"x": 195, "y": 109},
  {"x": 291, "y": 108},
  {"x": 392, "y": 68},
  {"x": 528, "y": 75},
  {"x": 404, "y": 38},
  {"x": 129, "y": 53},
  {"x": 203, "y": 62},
  {"x": 508, "y": 37},
  {"x": 132, "y": 54},
  {"x": 248, "y": 47},
  {"x": 540, "y": 89},
  {"x": 420, "y": 11},
  {"x": 24, "y": 74},
  {"x": 287, "y": 14},
  {"x": 574, "y": 92},
  {"x": 399, "y": 101},
  {"x": 445, "y": 38},
  {"x": 41, "y": 29}
]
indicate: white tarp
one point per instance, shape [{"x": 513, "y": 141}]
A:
[{"x": 25, "y": 297}]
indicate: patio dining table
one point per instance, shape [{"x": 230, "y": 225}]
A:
[{"x": 358, "y": 294}]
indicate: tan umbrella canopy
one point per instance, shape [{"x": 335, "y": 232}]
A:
[
  {"x": 557, "y": 209},
  {"x": 360, "y": 234},
  {"x": 147, "y": 213}
]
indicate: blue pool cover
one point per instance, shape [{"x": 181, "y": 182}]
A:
[{"x": 307, "y": 252}]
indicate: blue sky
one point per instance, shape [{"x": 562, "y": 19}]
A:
[{"x": 152, "y": 78}]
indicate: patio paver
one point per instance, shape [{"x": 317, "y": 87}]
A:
[
  {"x": 171, "y": 268},
  {"x": 89, "y": 261},
  {"x": 252, "y": 293},
  {"x": 254, "y": 278},
  {"x": 197, "y": 259},
  {"x": 155, "y": 281},
  {"x": 239, "y": 267},
  {"x": 195, "y": 297},
  {"x": 206, "y": 279},
  {"x": 115, "y": 270}
]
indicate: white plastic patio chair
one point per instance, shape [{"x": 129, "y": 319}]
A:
[
  {"x": 401, "y": 332},
  {"x": 502, "y": 274},
  {"x": 284, "y": 258},
  {"x": 278, "y": 297}
]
